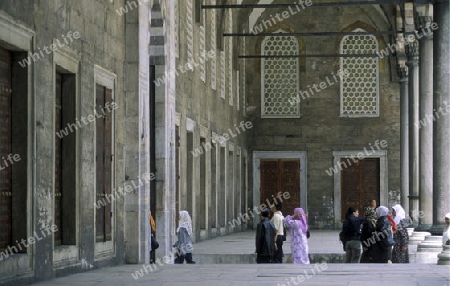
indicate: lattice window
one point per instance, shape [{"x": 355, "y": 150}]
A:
[
  {"x": 202, "y": 46},
  {"x": 230, "y": 57},
  {"x": 279, "y": 78},
  {"x": 213, "y": 45},
  {"x": 190, "y": 32},
  {"x": 359, "y": 88},
  {"x": 222, "y": 74}
]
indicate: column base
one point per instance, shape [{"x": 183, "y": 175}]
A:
[
  {"x": 417, "y": 237},
  {"x": 436, "y": 229},
  {"x": 423, "y": 227},
  {"x": 428, "y": 249},
  {"x": 444, "y": 256},
  {"x": 413, "y": 224}
]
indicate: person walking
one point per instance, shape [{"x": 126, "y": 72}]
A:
[
  {"x": 264, "y": 241},
  {"x": 154, "y": 243},
  {"x": 184, "y": 245},
  {"x": 352, "y": 233},
  {"x": 382, "y": 249},
  {"x": 277, "y": 221},
  {"x": 401, "y": 238},
  {"x": 298, "y": 227},
  {"x": 368, "y": 227},
  {"x": 446, "y": 232}
]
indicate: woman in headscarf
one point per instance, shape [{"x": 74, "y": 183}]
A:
[
  {"x": 184, "y": 232},
  {"x": 298, "y": 227},
  {"x": 382, "y": 249},
  {"x": 401, "y": 238},
  {"x": 368, "y": 227},
  {"x": 446, "y": 232}
]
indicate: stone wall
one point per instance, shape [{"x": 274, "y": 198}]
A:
[
  {"x": 320, "y": 130},
  {"x": 99, "y": 51},
  {"x": 203, "y": 112}
]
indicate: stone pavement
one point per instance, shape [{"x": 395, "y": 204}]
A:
[
  {"x": 262, "y": 275},
  {"x": 239, "y": 248}
]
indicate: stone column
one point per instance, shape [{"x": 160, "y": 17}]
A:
[
  {"x": 402, "y": 71},
  {"x": 136, "y": 149},
  {"x": 441, "y": 105},
  {"x": 412, "y": 51},
  {"x": 163, "y": 53},
  {"x": 425, "y": 126}
]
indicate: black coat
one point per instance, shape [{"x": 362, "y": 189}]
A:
[
  {"x": 265, "y": 235},
  {"x": 352, "y": 228},
  {"x": 382, "y": 250}
]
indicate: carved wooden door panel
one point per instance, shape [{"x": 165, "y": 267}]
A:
[
  {"x": 269, "y": 180},
  {"x": 280, "y": 175},
  {"x": 5, "y": 149},
  {"x": 360, "y": 183}
]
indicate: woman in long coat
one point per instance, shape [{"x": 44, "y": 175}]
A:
[
  {"x": 184, "y": 232},
  {"x": 298, "y": 227},
  {"x": 382, "y": 249},
  {"x": 368, "y": 228},
  {"x": 401, "y": 238}
]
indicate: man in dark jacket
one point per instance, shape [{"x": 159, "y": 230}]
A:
[
  {"x": 352, "y": 232},
  {"x": 265, "y": 233}
]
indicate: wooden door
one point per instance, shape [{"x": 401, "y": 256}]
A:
[
  {"x": 360, "y": 183},
  {"x": 5, "y": 150},
  {"x": 280, "y": 175},
  {"x": 58, "y": 159},
  {"x": 104, "y": 164}
]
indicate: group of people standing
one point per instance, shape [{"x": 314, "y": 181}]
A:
[
  {"x": 270, "y": 235},
  {"x": 383, "y": 238}
]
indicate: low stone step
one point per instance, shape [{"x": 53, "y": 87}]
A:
[{"x": 251, "y": 258}]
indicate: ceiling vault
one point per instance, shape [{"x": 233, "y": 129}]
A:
[
  {"x": 313, "y": 4},
  {"x": 314, "y": 56}
]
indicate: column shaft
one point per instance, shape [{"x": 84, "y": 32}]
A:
[
  {"x": 441, "y": 127},
  {"x": 426, "y": 131},
  {"x": 413, "y": 90},
  {"x": 404, "y": 137}
]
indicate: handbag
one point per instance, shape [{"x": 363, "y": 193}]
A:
[
  {"x": 342, "y": 239},
  {"x": 154, "y": 243}
]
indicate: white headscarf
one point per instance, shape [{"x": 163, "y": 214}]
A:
[
  {"x": 185, "y": 221},
  {"x": 446, "y": 233},
  {"x": 399, "y": 213},
  {"x": 382, "y": 211}
]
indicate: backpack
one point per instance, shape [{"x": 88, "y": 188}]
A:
[{"x": 342, "y": 239}]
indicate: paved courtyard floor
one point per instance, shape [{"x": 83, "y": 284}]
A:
[
  {"x": 286, "y": 274},
  {"x": 263, "y": 275}
]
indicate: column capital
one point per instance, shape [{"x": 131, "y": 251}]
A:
[
  {"x": 423, "y": 21},
  {"x": 402, "y": 72},
  {"x": 424, "y": 27},
  {"x": 412, "y": 52}
]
